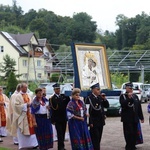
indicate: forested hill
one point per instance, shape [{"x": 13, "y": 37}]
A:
[{"x": 132, "y": 33}]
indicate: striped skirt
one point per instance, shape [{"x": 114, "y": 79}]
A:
[{"x": 44, "y": 132}]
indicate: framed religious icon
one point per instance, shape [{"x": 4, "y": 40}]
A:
[{"x": 90, "y": 66}]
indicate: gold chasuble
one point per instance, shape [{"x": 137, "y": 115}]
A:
[
  {"x": 29, "y": 116},
  {"x": 2, "y": 112}
]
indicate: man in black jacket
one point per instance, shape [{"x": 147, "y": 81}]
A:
[
  {"x": 130, "y": 114},
  {"x": 58, "y": 103},
  {"x": 97, "y": 102}
]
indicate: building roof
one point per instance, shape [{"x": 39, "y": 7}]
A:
[
  {"x": 42, "y": 42},
  {"x": 22, "y": 39},
  {"x": 14, "y": 43}
]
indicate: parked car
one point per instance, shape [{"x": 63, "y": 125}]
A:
[
  {"x": 137, "y": 89},
  {"x": 114, "y": 104},
  {"x": 66, "y": 87},
  {"x": 146, "y": 91},
  {"x": 50, "y": 89},
  {"x": 42, "y": 85},
  {"x": 148, "y": 94}
]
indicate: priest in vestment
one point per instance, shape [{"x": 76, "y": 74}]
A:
[
  {"x": 23, "y": 123},
  {"x": 4, "y": 103},
  {"x": 10, "y": 113}
]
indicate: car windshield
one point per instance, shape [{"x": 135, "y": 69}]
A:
[
  {"x": 135, "y": 87},
  {"x": 42, "y": 85},
  {"x": 146, "y": 87},
  {"x": 113, "y": 100}
]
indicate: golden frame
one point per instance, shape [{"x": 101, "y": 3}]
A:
[{"x": 92, "y": 65}]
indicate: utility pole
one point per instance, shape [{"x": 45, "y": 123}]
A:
[
  {"x": 33, "y": 61},
  {"x": 142, "y": 74},
  {"x": 28, "y": 66}
]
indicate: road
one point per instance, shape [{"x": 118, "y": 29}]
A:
[{"x": 112, "y": 136}]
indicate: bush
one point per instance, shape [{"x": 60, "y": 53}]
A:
[
  {"x": 54, "y": 77},
  {"x": 118, "y": 78},
  {"x": 32, "y": 86}
]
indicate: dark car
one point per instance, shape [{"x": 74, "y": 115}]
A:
[{"x": 114, "y": 104}]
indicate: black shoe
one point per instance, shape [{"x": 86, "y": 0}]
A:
[
  {"x": 35, "y": 147},
  {"x": 15, "y": 143},
  {"x": 1, "y": 140}
]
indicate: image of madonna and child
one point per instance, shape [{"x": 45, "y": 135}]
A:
[{"x": 77, "y": 123}]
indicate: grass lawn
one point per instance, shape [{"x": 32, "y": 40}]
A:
[{"x": 2, "y": 148}]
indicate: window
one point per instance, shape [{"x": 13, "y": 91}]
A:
[
  {"x": 1, "y": 48},
  {"x": 24, "y": 63},
  {"x": 39, "y": 63},
  {"x": 25, "y": 75},
  {"x": 39, "y": 75}
]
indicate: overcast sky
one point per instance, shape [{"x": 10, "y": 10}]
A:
[{"x": 103, "y": 12}]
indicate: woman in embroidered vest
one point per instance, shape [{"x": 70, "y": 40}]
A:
[
  {"x": 4, "y": 102},
  {"x": 78, "y": 129},
  {"x": 43, "y": 126}
]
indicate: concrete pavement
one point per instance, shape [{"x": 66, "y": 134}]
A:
[{"x": 112, "y": 136}]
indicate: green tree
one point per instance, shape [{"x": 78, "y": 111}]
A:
[
  {"x": 11, "y": 83},
  {"x": 27, "y": 18},
  {"x": 109, "y": 39},
  {"x": 7, "y": 66},
  {"x": 14, "y": 29},
  {"x": 83, "y": 28},
  {"x": 32, "y": 86},
  {"x": 40, "y": 26},
  {"x": 134, "y": 77},
  {"x": 17, "y": 11},
  {"x": 118, "y": 78},
  {"x": 133, "y": 31},
  {"x": 8, "y": 17},
  {"x": 99, "y": 38},
  {"x": 54, "y": 77},
  {"x": 64, "y": 29}
]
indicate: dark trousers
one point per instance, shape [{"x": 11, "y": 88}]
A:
[
  {"x": 130, "y": 135},
  {"x": 61, "y": 129},
  {"x": 96, "y": 135}
]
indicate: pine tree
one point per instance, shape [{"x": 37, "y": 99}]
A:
[
  {"x": 11, "y": 84},
  {"x": 7, "y": 66}
]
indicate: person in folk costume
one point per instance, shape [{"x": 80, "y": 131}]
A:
[
  {"x": 23, "y": 123},
  {"x": 43, "y": 128},
  {"x": 58, "y": 104},
  {"x": 4, "y": 104},
  {"x": 97, "y": 102},
  {"x": 77, "y": 123},
  {"x": 131, "y": 112},
  {"x": 10, "y": 110}
]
